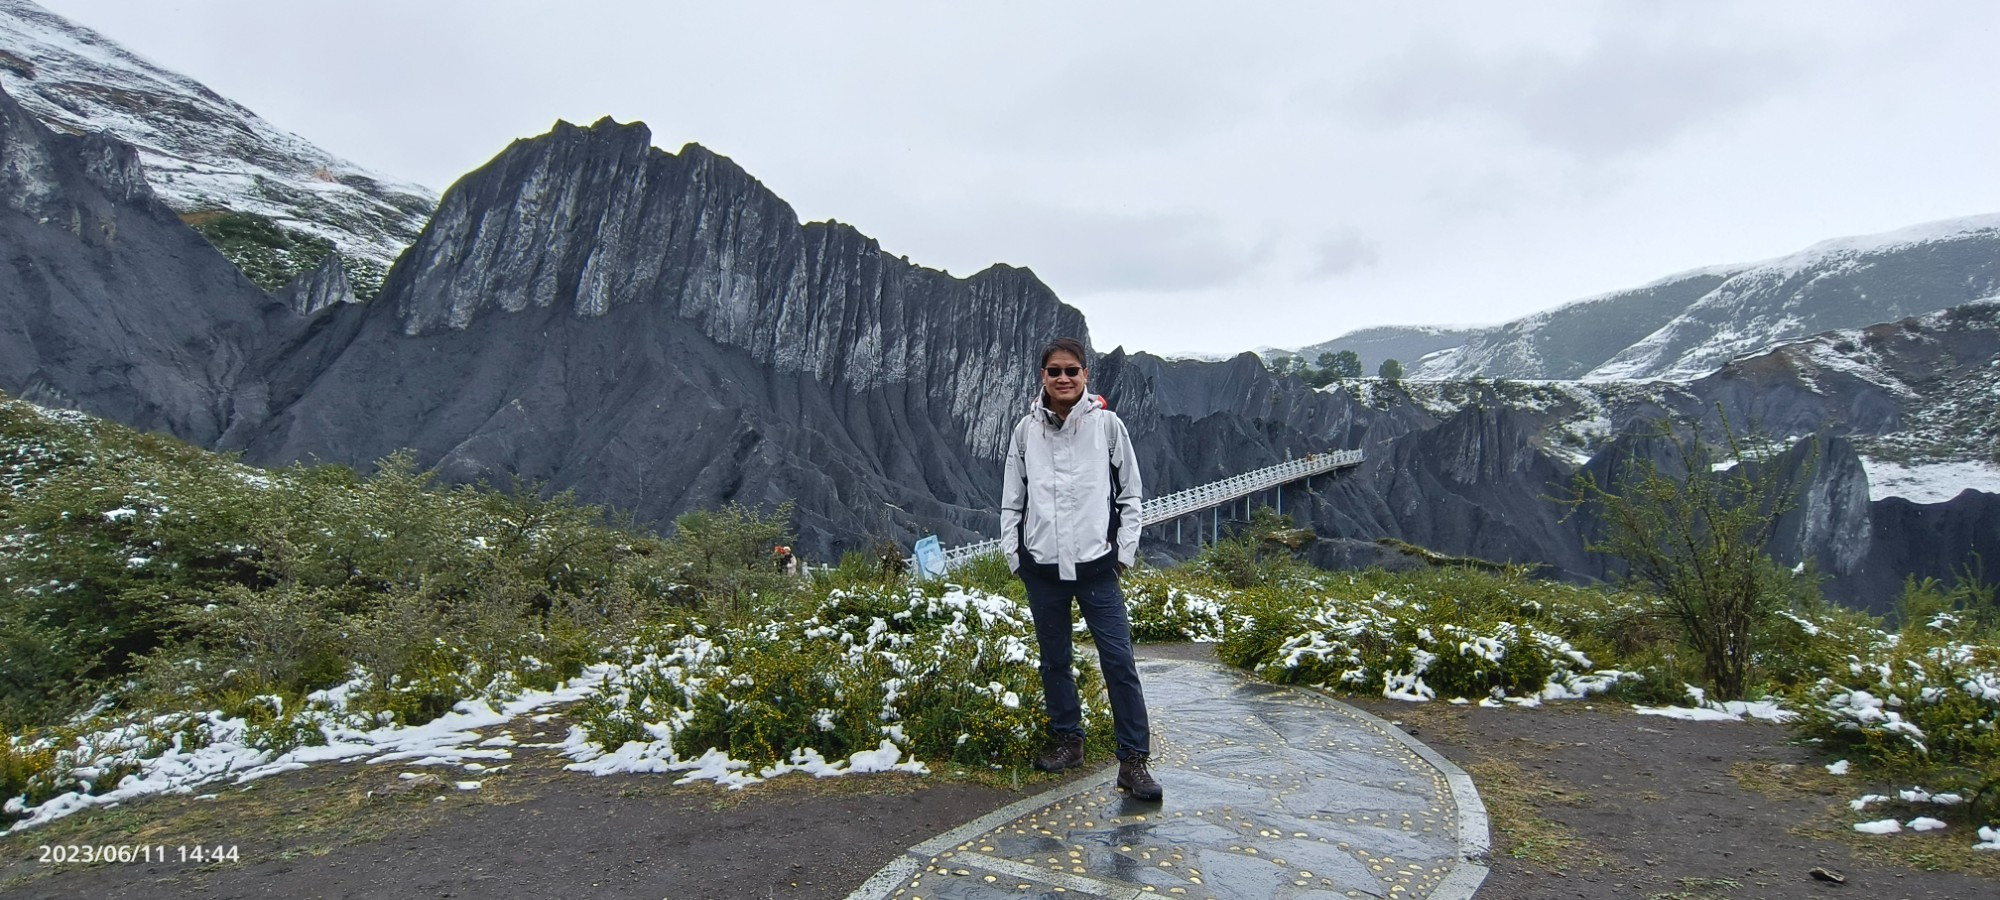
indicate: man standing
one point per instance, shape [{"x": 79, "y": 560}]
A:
[{"x": 1069, "y": 524}]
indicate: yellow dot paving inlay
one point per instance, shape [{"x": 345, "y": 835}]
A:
[{"x": 1270, "y": 793}]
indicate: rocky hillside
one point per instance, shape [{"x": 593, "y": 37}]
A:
[
  {"x": 275, "y": 203},
  {"x": 110, "y": 304},
  {"x": 659, "y": 331},
  {"x": 1925, "y": 389}
]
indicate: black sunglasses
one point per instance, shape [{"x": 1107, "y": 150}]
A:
[{"x": 1062, "y": 371}]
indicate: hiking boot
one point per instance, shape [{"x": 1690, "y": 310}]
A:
[
  {"x": 1133, "y": 777},
  {"x": 1066, "y": 754}
]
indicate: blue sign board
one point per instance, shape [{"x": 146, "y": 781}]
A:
[{"x": 930, "y": 558}]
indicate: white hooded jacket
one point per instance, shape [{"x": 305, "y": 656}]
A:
[{"x": 1057, "y": 497}]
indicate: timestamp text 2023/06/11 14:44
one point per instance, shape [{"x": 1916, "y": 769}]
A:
[{"x": 59, "y": 854}]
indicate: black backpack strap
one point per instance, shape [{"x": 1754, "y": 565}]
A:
[
  {"x": 1021, "y": 522},
  {"x": 1111, "y": 529}
]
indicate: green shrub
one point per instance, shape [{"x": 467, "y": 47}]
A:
[
  {"x": 988, "y": 572},
  {"x": 1455, "y": 633},
  {"x": 943, "y": 671},
  {"x": 1164, "y": 607},
  {"x": 1927, "y": 697},
  {"x": 1263, "y": 550},
  {"x": 721, "y": 562},
  {"x": 1695, "y": 533},
  {"x": 24, "y": 763},
  {"x": 145, "y": 571}
]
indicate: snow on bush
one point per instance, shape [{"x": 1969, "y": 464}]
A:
[
  {"x": 874, "y": 673},
  {"x": 1927, "y": 697},
  {"x": 1164, "y": 607},
  {"x": 1409, "y": 646}
]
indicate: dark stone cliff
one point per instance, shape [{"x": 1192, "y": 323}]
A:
[
  {"x": 108, "y": 303},
  {"x": 660, "y": 332}
]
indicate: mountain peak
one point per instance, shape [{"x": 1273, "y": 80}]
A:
[{"x": 200, "y": 151}]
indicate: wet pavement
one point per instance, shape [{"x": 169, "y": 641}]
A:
[{"x": 1270, "y": 792}]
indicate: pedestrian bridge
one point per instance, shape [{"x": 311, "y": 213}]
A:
[{"x": 1181, "y": 505}]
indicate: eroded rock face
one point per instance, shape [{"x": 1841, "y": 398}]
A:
[
  {"x": 660, "y": 332},
  {"x": 1920, "y": 386},
  {"x": 591, "y": 219},
  {"x": 326, "y": 285},
  {"x": 111, "y": 305}
]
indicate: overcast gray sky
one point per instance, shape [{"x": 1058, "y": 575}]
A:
[{"x": 1193, "y": 176}]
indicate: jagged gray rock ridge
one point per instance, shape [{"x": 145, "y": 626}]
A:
[
  {"x": 108, "y": 303},
  {"x": 593, "y": 219},
  {"x": 660, "y": 332},
  {"x": 200, "y": 150},
  {"x": 1687, "y": 325}
]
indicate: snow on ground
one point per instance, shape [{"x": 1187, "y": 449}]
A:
[
  {"x": 640, "y": 757},
  {"x": 449, "y": 740},
  {"x": 1730, "y": 711},
  {"x": 1990, "y": 838},
  {"x": 1929, "y": 482},
  {"x": 1702, "y": 709}
]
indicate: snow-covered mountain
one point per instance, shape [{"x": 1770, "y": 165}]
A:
[
  {"x": 1687, "y": 325},
  {"x": 210, "y": 159},
  {"x": 1843, "y": 283}
]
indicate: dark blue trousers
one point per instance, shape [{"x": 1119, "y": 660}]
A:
[{"x": 1096, "y": 592}]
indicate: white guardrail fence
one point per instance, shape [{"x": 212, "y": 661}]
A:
[{"x": 1195, "y": 499}]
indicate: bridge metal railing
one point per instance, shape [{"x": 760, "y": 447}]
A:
[{"x": 1195, "y": 499}]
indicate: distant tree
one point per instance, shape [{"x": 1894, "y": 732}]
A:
[
  {"x": 1390, "y": 370},
  {"x": 1346, "y": 364},
  {"x": 721, "y": 558},
  {"x": 1326, "y": 360},
  {"x": 1695, "y": 534}
]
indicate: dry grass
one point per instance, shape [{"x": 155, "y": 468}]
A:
[
  {"x": 1515, "y": 800},
  {"x": 202, "y": 217}
]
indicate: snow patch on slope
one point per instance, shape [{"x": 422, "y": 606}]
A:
[
  {"x": 1929, "y": 482},
  {"x": 201, "y": 151}
]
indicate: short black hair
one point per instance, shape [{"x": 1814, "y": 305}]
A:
[{"x": 1071, "y": 346}]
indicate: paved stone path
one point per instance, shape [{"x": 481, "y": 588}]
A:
[{"x": 1271, "y": 792}]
